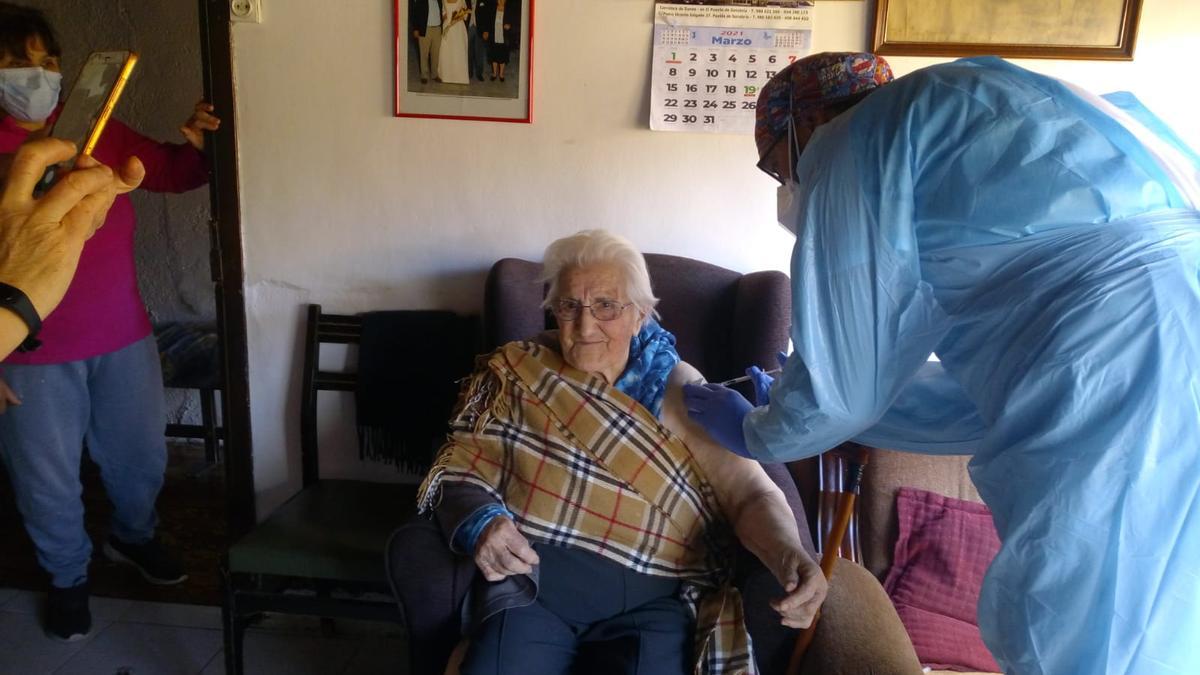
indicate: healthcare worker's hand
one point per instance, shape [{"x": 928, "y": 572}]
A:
[
  {"x": 762, "y": 385},
  {"x": 763, "y": 381},
  {"x": 720, "y": 410},
  {"x": 503, "y": 551},
  {"x": 806, "y": 588}
]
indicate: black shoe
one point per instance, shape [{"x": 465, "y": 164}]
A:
[
  {"x": 68, "y": 618},
  {"x": 424, "y": 80},
  {"x": 493, "y": 78},
  {"x": 501, "y": 78},
  {"x": 151, "y": 559}
]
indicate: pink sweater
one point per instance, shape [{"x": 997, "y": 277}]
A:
[{"x": 103, "y": 309}]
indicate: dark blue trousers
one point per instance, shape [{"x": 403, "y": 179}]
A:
[{"x": 591, "y": 616}]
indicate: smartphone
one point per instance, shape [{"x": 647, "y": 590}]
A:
[{"x": 89, "y": 104}]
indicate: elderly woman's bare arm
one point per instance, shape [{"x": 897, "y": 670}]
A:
[{"x": 754, "y": 505}]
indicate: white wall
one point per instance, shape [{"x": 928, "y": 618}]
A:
[{"x": 349, "y": 207}]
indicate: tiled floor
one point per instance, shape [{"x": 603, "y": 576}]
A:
[{"x": 145, "y": 638}]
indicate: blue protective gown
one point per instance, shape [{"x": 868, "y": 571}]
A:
[{"x": 983, "y": 212}]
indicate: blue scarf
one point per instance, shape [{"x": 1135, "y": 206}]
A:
[{"x": 652, "y": 355}]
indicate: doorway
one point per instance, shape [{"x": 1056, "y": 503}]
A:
[{"x": 188, "y": 251}]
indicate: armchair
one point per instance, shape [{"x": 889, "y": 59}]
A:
[{"x": 723, "y": 321}]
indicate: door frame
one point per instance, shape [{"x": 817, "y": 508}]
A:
[{"x": 228, "y": 269}]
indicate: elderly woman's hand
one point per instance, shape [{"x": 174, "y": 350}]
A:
[
  {"x": 502, "y": 551},
  {"x": 806, "y": 587}
]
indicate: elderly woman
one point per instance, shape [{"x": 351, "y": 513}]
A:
[{"x": 601, "y": 518}]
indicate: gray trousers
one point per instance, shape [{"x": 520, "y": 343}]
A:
[{"x": 430, "y": 51}]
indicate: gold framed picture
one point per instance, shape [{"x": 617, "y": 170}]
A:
[{"x": 1066, "y": 29}]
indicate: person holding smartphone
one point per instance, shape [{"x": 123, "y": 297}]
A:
[{"x": 96, "y": 376}]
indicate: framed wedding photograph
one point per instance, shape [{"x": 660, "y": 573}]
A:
[
  {"x": 464, "y": 59},
  {"x": 1065, "y": 29}
]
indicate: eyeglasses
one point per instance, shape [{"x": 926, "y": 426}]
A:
[{"x": 568, "y": 309}]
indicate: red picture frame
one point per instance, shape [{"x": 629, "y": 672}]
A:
[{"x": 463, "y": 68}]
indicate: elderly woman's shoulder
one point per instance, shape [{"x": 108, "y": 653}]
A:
[
  {"x": 674, "y": 413},
  {"x": 684, "y": 373}
]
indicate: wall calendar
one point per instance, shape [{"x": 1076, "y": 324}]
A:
[{"x": 711, "y": 60}]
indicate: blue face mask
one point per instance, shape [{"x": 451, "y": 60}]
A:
[{"x": 29, "y": 94}]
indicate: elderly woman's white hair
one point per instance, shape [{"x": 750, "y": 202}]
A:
[{"x": 599, "y": 247}]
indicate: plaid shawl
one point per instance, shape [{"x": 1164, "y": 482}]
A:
[{"x": 581, "y": 464}]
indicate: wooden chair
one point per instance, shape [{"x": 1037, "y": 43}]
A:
[
  {"x": 874, "y": 526},
  {"x": 328, "y": 540},
  {"x": 208, "y": 430},
  {"x": 190, "y": 358}
]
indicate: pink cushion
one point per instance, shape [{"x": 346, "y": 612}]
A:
[{"x": 944, "y": 548}]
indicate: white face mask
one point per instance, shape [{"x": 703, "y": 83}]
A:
[{"x": 29, "y": 94}]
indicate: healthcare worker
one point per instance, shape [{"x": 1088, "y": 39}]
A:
[{"x": 1045, "y": 244}]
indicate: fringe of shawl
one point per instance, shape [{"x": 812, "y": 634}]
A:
[{"x": 484, "y": 395}]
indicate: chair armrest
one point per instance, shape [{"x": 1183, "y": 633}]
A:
[
  {"x": 778, "y": 473},
  {"x": 859, "y": 630},
  {"x": 772, "y": 641},
  {"x": 430, "y": 583}
]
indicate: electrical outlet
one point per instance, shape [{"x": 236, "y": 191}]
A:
[{"x": 249, "y": 11}]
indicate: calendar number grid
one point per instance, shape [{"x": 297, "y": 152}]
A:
[{"x": 707, "y": 79}]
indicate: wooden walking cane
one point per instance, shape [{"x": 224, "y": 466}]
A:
[{"x": 830, "y": 555}]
